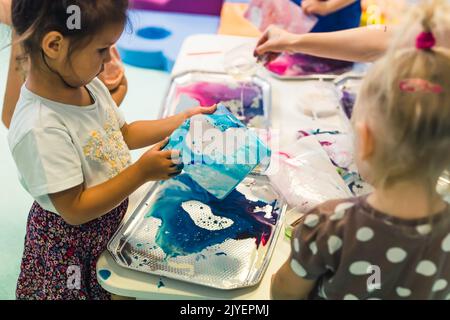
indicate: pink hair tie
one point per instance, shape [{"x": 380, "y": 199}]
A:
[{"x": 425, "y": 41}]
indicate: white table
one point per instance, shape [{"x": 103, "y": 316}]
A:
[{"x": 129, "y": 283}]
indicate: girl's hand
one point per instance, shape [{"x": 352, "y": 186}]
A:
[
  {"x": 273, "y": 41},
  {"x": 156, "y": 165},
  {"x": 318, "y": 7},
  {"x": 200, "y": 110}
]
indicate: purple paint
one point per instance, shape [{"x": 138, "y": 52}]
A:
[
  {"x": 348, "y": 102},
  {"x": 210, "y": 93}
]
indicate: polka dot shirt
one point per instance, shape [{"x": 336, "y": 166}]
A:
[{"x": 353, "y": 251}]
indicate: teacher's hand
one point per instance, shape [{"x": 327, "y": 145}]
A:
[{"x": 274, "y": 41}]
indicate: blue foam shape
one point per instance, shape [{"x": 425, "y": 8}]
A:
[
  {"x": 217, "y": 172},
  {"x": 168, "y": 30}
]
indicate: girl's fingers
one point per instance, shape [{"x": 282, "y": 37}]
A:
[
  {"x": 172, "y": 155},
  {"x": 161, "y": 145},
  {"x": 202, "y": 110},
  {"x": 209, "y": 110}
]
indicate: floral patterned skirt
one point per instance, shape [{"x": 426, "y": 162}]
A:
[{"x": 59, "y": 260}]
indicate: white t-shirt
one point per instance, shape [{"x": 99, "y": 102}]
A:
[{"x": 58, "y": 146}]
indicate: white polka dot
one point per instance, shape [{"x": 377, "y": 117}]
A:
[
  {"x": 350, "y": 297},
  {"x": 446, "y": 243},
  {"x": 298, "y": 269},
  {"x": 360, "y": 268},
  {"x": 426, "y": 268},
  {"x": 334, "y": 244},
  {"x": 396, "y": 255},
  {"x": 340, "y": 210},
  {"x": 312, "y": 220},
  {"x": 424, "y": 229},
  {"x": 439, "y": 285},
  {"x": 337, "y": 216},
  {"x": 313, "y": 247},
  {"x": 447, "y": 297},
  {"x": 374, "y": 299},
  {"x": 403, "y": 292},
  {"x": 364, "y": 234},
  {"x": 343, "y": 207},
  {"x": 296, "y": 245}
]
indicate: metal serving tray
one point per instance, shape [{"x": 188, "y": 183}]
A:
[
  {"x": 210, "y": 86},
  {"x": 235, "y": 263}
]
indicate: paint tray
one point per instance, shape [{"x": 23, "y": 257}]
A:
[
  {"x": 218, "y": 151},
  {"x": 181, "y": 232},
  {"x": 249, "y": 99}
]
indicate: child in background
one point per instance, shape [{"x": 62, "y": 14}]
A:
[
  {"x": 394, "y": 243},
  {"x": 334, "y": 15},
  {"x": 71, "y": 146},
  {"x": 113, "y": 76}
]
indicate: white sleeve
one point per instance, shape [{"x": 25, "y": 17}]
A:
[
  {"x": 99, "y": 85},
  {"x": 48, "y": 161},
  {"x": 119, "y": 115}
]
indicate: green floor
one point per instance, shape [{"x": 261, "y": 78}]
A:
[{"x": 147, "y": 90}]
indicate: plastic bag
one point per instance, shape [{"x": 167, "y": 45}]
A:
[
  {"x": 282, "y": 13},
  {"x": 307, "y": 178}
]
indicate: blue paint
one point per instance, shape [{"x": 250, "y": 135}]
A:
[
  {"x": 221, "y": 254},
  {"x": 178, "y": 235},
  {"x": 156, "y": 37},
  {"x": 105, "y": 274},
  {"x": 200, "y": 256},
  {"x": 160, "y": 283},
  {"x": 228, "y": 170}
]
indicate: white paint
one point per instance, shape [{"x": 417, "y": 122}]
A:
[{"x": 204, "y": 218}]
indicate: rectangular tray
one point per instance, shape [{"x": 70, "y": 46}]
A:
[
  {"x": 358, "y": 70},
  {"x": 215, "y": 87},
  {"x": 231, "y": 264}
]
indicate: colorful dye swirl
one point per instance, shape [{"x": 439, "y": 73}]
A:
[{"x": 193, "y": 220}]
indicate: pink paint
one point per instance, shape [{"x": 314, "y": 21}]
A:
[
  {"x": 207, "y": 7},
  {"x": 284, "y": 154}
]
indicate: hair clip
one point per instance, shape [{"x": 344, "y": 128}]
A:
[
  {"x": 420, "y": 85},
  {"x": 425, "y": 41}
]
